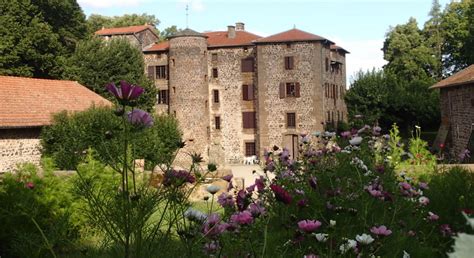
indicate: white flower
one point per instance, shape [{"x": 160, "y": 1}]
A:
[
  {"x": 195, "y": 215},
  {"x": 351, "y": 244},
  {"x": 321, "y": 237},
  {"x": 364, "y": 239},
  {"x": 213, "y": 189},
  {"x": 463, "y": 246},
  {"x": 423, "y": 200},
  {"x": 469, "y": 220},
  {"x": 356, "y": 140},
  {"x": 332, "y": 223},
  {"x": 405, "y": 254}
]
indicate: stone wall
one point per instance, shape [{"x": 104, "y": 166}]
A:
[
  {"x": 19, "y": 146},
  {"x": 335, "y": 81},
  {"x": 189, "y": 92},
  {"x": 157, "y": 59},
  {"x": 272, "y": 110},
  {"x": 146, "y": 38},
  {"x": 457, "y": 107},
  {"x": 229, "y": 141}
]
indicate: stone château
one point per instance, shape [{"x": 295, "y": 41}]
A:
[{"x": 235, "y": 93}]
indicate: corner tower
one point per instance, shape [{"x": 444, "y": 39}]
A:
[{"x": 189, "y": 91}]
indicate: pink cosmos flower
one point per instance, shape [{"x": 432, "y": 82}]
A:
[
  {"x": 178, "y": 178},
  {"x": 30, "y": 185},
  {"x": 256, "y": 209},
  {"x": 432, "y": 216},
  {"x": 424, "y": 200},
  {"x": 260, "y": 183},
  {"x": 211, "y": 247},
  {"x": 140, "y": 117},
  {"x": 405, "y": 186},
  {"x": 226, "y": 200},
  {"x": 126, "y": 91},
  {"x": 423, "y": 186},
  {"x": 311, "y": 256},
  {"x": 309, "y": 226},
  {"x": 381, "y": 231},
  {"x": 242, "y": 218},
  {"x": 227, "y": 177},
  {"x": 313, "y": 182},
  {"x": 346, "y": 134},
  {"x": 281, "y": 194},
  {"x": 446, "y": 230},
  {"x": 211, "y": 226}
]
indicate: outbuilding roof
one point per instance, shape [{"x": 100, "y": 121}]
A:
[
  {"x": 463, "y": 77},
  {"x": 221, "y": 39},
  {"x": 29, "y": 102},
  {"x": 123, "y": 30},
  {"x": 291, "y": 36}
]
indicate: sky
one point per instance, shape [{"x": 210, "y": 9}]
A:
[{"x": 359, "y": 26}]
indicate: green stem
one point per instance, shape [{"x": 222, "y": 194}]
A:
[{"x": 48, "y": 245}]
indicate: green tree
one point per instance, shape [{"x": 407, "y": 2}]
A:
[
  {"x": 96, "y": 22},
  {"x": 31, "y": 45},
  {"x": 457, "y": 26},
  {"x": 434, "y": 38},
  {"x": 96, "y": 63},
  {"x": 166, "y": 33}
]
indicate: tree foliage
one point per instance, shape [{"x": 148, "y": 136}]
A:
[
  {"x": 38, "y": 35},
  {"x": 96, "y": 22},
  {"x": 96, "y": 63}
]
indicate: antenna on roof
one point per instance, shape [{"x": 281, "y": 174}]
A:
[{"x": 187, "y": 15}]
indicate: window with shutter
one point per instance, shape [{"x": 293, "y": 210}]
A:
[
  {"x": 249, "y": 120},
  {"x": 297, "y": 89},
  {"x": 216, "y": 96},
  {"x": 160, "y": 72},
  {"x": 289, "y": 61},
  {"x": 282, "y": 90},
  {"x": 151, "y": 72},
  {"x": 247, "y": 65},
  {"x": 163, "y": 97},
  {"x": 290, "y": 120},
  {"x": 247, "y": 92}
]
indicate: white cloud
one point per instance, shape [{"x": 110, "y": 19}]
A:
[
  {"x": 365, "y": 54},
  {"x": 194, "y": 5},
  {"x": 110, "y": 3}
]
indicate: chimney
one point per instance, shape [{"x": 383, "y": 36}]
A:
[
  {"x": 231, "y": 31},
  {"x": 239, "y": 26}
]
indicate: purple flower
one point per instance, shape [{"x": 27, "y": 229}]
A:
[
  {"x": 243, "y": 200},
  {"x": 260, "y": 183},
  {"x": 140, "y": 117},
  {"x": 309, "y": 226},
  {"x": 281, "y": 194},
  {"x": 226, "y": 200},
  {"x": 30, "y": 185},
  {"x": 376, "y": 130},
  {"x": 423, "y": 186},
  {"x": 228, "y": 177},
  {"x": 346, "y": 134},
  {"x": 126, "y": 91},
  {"x": 242, "y": 218},
  {"x": 432, "y": 216},
  {"x": 381, "y": 231},
  {"x": 464, "y": 154},
  {"x": 446, "y": 230},
  {"x": 302, "y": 203},
  {"x": 424, "y": 200},
  {"x": 178, "y": 178},
  {"x": 211, "y": 247},
  {"x": 211, "y": 226},
  {"x": 256, "y": 209}
]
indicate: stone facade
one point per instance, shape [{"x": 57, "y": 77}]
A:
[
  {"x": 214, "y": 98},
  {"x": 457, "y": 112},
  {"x": 19, "y": 146}
]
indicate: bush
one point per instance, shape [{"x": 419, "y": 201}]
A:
[
  {"x": 35, "y": 217},
  {"x": 71, "y": 135}
]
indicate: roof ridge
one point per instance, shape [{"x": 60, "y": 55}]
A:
[{"x": 32, "y": 78}]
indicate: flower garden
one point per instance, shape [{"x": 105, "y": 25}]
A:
[{"x": 348, "y": 194}]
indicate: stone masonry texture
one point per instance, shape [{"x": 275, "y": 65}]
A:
[{"x": 19, "y": 146}]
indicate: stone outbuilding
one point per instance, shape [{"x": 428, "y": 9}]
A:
[
  {"x": 141, "y": 36},
  {"x": 457, "y": 113},
  {"x": 27, "y": 105}
]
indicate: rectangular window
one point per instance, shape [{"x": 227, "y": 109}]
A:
[
  {"x": 161, "y": 72},
  {"x": 217, "y": 121},
  {"x": 247, "y": 65},
  {"x": 248, "y": 92},
  {"x": 291, "y": 120},
  {"x": 249, "y": 120},
  {"x": 163, "y": 97},
  {"x": 250, "y": 149},
  {"x": 151, "y": 72},
  {"x": 214, "y": 57},
  {"x": 327, "y": 64},
  {"x": 214, "y": 73},
  {"x": 290, "y": 89},
  {"x": 289, "y": 62},
  {"x": 215, "y": 96}
]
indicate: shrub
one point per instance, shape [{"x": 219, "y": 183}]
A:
[
  {"x": 71, "y": 135},
  {"x": 35, "y": 217}
]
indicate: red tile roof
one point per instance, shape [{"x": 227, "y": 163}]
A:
[
  {"x": 336, "y": 47},
  {"x": 291, "y": 36},
  {"x": 162, "y": 46},
  {"x": 123, "y": 30},
  {"x": 220, "y": 39},
  {"x": 462, "y": 77},
  {"x": 28, "y": 102}
]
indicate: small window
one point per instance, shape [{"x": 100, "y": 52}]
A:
[
  {"x": 329, "y": 116},
  {"x": 247, "y": 65},
  {"x": 216, "y": 96},
  {"x": 290, "y": 89},
  {"x": 217, "y": 121},
  {"x": 290, "y": 120},
  {"x": 214, "y": 57},
  {"x": 163, "y": 97},
  {"x": 161, "y": 72},
  {"x": 250, "y": 149},
  {"x": 327, "y": 64},
  {"x": 249, "y": 120},
  {"x": 288, "y": 45},
  {"x": 247, "y": 92},
  {"x": 289, "y": 62},
  {"x": 214, "y": 73},
  {"x": 151, "y": 72}
]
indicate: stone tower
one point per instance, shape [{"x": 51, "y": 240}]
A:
[{"x": 189, "y": 92}]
